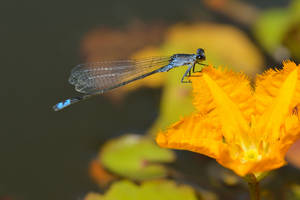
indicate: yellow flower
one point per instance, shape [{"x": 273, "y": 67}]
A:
[{"x": 246, "y": 129}]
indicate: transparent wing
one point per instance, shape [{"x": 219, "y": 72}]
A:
[{"x": 99, "y": 77}]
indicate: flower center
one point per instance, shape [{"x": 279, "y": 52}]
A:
[{"x": 251, "y": 155}]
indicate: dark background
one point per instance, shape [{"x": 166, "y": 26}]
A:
[{"x": 45, "y": 154}]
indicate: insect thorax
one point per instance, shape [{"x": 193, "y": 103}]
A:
[{"x": 182, "y": 59}]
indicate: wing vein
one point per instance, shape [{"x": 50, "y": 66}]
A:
[{"x": 100, "y": 76}]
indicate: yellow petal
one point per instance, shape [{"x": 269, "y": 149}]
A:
[
  {"x": 230, "y": 116},
  {"x": 235, "y": 85},
  {"x": 272, "y": 119},
  {"x": 195, "y": 133}
]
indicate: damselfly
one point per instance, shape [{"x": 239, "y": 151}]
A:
[{"x": 99, "y": 77}]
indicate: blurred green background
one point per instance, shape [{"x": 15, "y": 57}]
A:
[{"x": 46, "y": 154}]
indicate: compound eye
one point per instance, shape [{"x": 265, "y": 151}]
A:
[
  {"x": 200, "y": 54},
  {"x": 200, "y": 51}
]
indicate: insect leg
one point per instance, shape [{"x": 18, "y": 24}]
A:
[
  {"x": 185, "y": 74},
  {"x": 194, "y": 67}
]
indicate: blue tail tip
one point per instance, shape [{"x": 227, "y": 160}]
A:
[{"x": 62, "y": 105}]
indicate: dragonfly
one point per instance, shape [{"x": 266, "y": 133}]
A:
[{"x": 99, "y": 77}]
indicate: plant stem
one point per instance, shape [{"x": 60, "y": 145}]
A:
[{"x": 253, "y": 186}]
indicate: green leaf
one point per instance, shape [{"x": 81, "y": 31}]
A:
[
  {"x": 93, "y": 196},
  {"x": 176, "y": 101},
  {"x": 150, "y": 190},
  {"x": 135, "y": 157},
  {"x": 271, "y": 28},
  {"x": 276, "y": 25},
  {"x": 293, "y": 193},
  {"x": 295, "y": 10}
]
